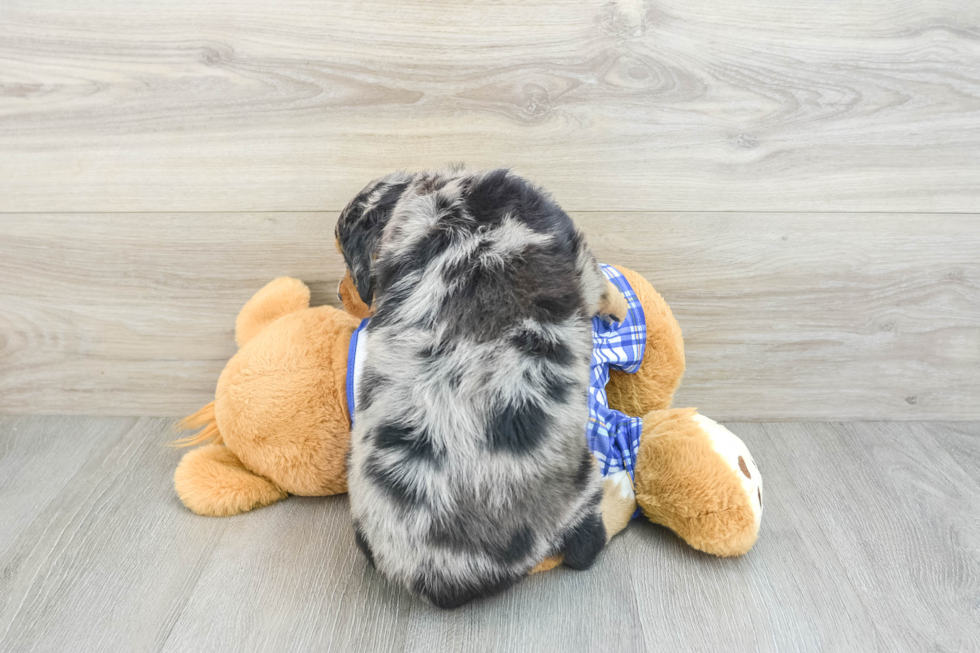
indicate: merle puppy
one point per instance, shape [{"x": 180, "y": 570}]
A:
[{"x": 468, "y": 460}]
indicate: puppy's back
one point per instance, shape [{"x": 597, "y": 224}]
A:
[{"x": 468, "y": 459}]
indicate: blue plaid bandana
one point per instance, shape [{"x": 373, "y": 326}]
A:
[{"x": 614, "y": 438}]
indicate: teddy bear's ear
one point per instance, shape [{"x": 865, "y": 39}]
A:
[{"x": 279, "y": 297}]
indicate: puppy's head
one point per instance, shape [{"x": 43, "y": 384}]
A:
[{"x": 361, "y": 225}]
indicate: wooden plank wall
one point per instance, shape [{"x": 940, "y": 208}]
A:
[{"x": 800, "y": 180}]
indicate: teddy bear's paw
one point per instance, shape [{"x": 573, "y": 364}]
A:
[
  {"x": 613, "y": 306},
  {"x": 618, "y": 502},
  {"x": 736, "y": 455}
]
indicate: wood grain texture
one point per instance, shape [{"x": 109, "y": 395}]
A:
[
  {"x": 888, "y": 498},
  {"x": 789, "y": 593},
  {"x": 627, "y": 105},
  {"x": 963, "y": 445},
  {"x": 561, "y": 610},
  {"x": 110, "y": 562},
  {"x": 785, "y": 316},
  {"x": 869, "y": 542},
  {"x": 38, "y": 458},
  {"x": 291, "y": 580}
]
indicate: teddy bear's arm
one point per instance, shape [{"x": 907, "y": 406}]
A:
[
  {"x": 652, "y": 386},
  {"x": 612, "y": 303}
]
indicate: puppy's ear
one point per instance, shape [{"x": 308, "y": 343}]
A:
[
  {"x": 359, "y": 244},
  {"x": 361, "y": 225},
  {"x": 363, "y": 279}
]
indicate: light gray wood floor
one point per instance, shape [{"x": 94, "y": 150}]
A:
[{"x": 870, "y": 541}]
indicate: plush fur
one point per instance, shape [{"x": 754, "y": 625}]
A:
[
  {"x": 212, "y": 480},
  {"x": 308, "y": 348},
  {"x": 279, "y": 422},
  {"x": 468, "y": 464}
]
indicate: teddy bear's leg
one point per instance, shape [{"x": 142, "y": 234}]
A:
[
  {"x": 277, "y": 298},
  {"x": 212, "y": 481},
  {"x": 652, "y": 386},
  {"x": 697, "y": 478}
]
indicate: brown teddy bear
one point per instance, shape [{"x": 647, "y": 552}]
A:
[{"x": 280, "y": 424}]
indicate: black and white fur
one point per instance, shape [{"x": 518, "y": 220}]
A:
[{"x": 468, "y": 459}]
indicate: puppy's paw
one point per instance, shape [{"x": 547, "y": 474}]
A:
[{"x": 613, "y": 306}]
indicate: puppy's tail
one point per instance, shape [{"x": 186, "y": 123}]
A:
[{"x": 204, "y": 420}]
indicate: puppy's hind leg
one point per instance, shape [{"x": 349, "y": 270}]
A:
[
  {"x": 580, "y": 545},
  {"x": 615, "y": 511}
]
